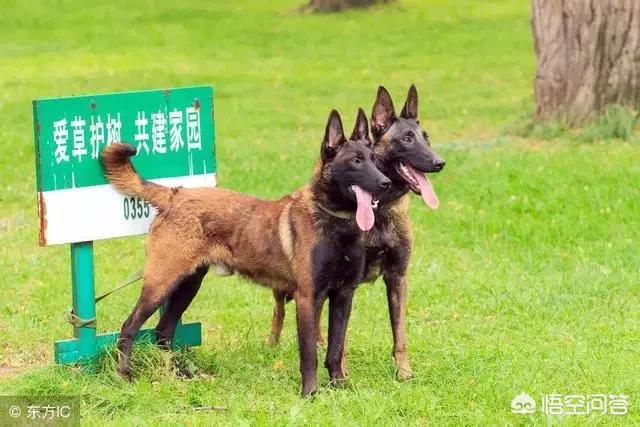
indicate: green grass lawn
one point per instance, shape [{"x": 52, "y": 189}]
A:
[{"x": 525, "y": 279}]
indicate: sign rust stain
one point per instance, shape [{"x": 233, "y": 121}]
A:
[{"x": 42, "y": 220}]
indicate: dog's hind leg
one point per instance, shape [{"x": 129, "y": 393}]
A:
[
  {"x": 179, "y": 301},
  {"x": 147, "y": 304},
  {"x": 279, "y": 298},
  {"x": 160, "y": 278}
]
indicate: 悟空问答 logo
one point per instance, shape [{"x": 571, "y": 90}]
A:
[{"x": 523, "y": 404}]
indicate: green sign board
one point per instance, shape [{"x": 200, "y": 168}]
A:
[{"x": 173, "y": 130}]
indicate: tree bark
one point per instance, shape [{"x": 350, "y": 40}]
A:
[
  {"x": 337, "y": 5},
  {"x": 588, "y": 56}
]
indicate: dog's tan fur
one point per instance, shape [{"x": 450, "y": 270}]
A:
[
  {"x": 270, "y": 242},
  {"x": 209, "y": 226}
]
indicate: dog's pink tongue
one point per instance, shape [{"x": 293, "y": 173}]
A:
[
  {"x": 426, "y": 190},
  {"x": 364, "y": 213}
]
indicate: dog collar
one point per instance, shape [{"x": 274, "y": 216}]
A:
[
  {"x": 352, "y": 215},
  {"x": 337, "y": 214}
]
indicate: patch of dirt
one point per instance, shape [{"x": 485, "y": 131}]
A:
[{"x": 11, "y": 371}]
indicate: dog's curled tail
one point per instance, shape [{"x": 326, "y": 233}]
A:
[{"x": 121, "y": 174}]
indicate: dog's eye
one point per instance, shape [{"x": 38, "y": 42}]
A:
[
  {"x": 407, "y": 139},
  {"x": 356, "y": 161}
]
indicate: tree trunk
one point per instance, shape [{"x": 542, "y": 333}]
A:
[
  {"x": 337, "y": 5},
  {"x": 588, "y": 55}
]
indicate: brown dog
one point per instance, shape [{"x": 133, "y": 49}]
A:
[
  {"x": 402, "y": 152},
  {"x": 295, "y": 245}
]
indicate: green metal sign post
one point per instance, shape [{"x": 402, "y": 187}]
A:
[
  {"x": 173, "y": 130},
  {"x": 84, "y": 295}
]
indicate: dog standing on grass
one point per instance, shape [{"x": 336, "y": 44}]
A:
[
  {"x": 403, "y": 153},
  {"x": 294, "y": 244}
]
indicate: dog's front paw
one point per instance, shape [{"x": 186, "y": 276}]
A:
[
  {"x": 273, "y": 340},
  {"x": 404, "y": 373},
  {"x": 308, "y": 390}
]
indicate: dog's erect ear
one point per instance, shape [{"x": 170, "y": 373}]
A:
[
  {"x": 383, "y": 112},
  {"x": 333, "y": 136},
  {"x": 410, "y": 109},
  {"x": 361, "y": 129}
]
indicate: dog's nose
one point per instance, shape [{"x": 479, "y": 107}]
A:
[
  {"x": 385, "y": 185},
  {"x": 438, "y": 164}
]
